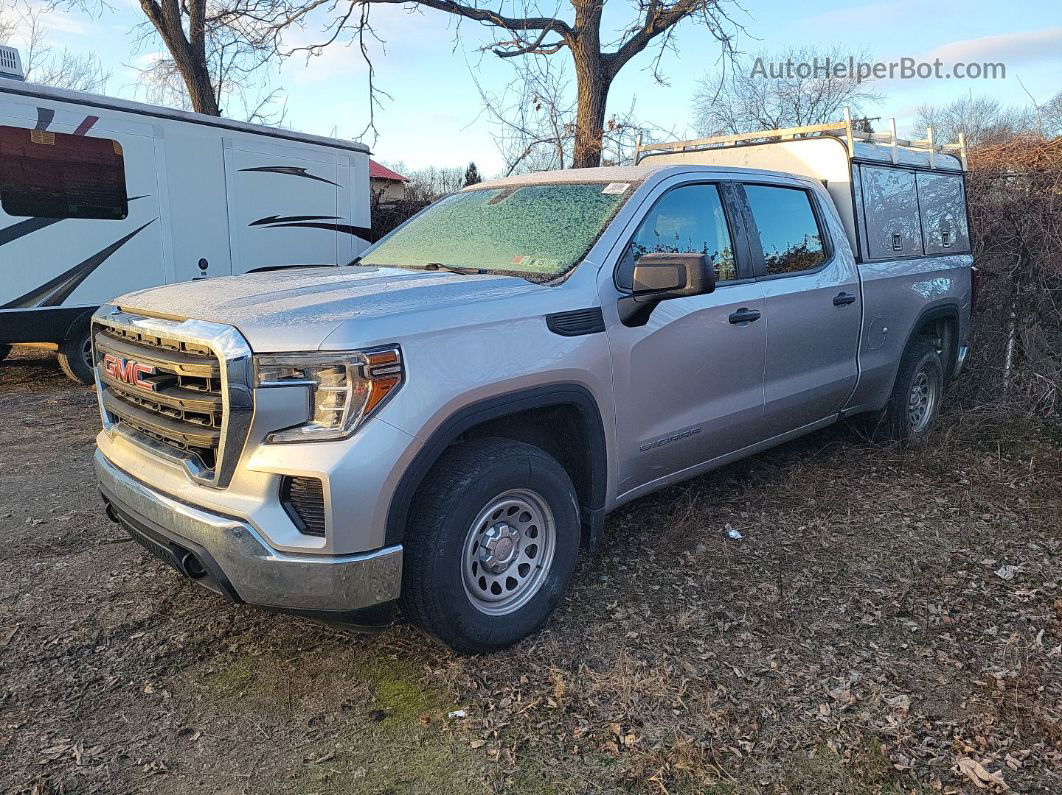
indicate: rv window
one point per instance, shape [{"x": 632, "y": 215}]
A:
[
  {"x": 56, "y": 175},
  {"x": 789, "y": 233}
]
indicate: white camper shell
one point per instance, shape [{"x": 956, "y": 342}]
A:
[
  {"x": 897, "y": 198},
  {"x": 101, "y": 196}
]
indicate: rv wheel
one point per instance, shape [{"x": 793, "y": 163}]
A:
[{"x": 75, "y": 358}]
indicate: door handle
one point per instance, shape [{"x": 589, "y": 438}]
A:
[
  {"x": 744, "y": 315},
  {"x": 841, "y": 299}
]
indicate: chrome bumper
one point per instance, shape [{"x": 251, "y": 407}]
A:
[{"x": 229, "y": 557}]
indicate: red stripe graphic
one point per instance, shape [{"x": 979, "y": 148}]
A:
[{"x": 86, "y": 125}]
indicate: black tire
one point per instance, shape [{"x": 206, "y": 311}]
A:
[
  {"x": 75, "y": 356},
  {"x": 920, "y": 368},
  {"x": 446, "y": 528}
]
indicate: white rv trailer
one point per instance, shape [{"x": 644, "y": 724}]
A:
[{"x": 100, "y": 196}]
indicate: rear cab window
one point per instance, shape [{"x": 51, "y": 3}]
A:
[{"x": 790, "y": 235}]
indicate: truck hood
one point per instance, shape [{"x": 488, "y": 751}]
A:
[{"x": 297, "y": 309}]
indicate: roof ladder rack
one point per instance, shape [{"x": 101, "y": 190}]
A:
[{"x": 844, "y": 128}]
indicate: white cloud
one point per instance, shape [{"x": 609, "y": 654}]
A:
[
  {"x": 1010, "y": 48},
  {"x": 55, "y": 20}
]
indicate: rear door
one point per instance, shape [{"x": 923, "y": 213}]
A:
[
  {"x": 689, "y": 382},
  {"x": 811, "y": 288}
]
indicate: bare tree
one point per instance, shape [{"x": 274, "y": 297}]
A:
[
  {"x": 43, "y": 63},
  {"x": 984, "y": 120},
  {"x": 535, "y": 119},
  {"x": 429, "y": 183},
  {"x": 770, "y": 91},
  {"x": 1051, "y": 117},
  {"x": 8, "y": 25},
  {"x": 520, "y": 29},
  {"x": 217, "y": 51}
]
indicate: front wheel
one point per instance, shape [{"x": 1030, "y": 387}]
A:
[
  {"x": 75, "y": 358},
  {"x": 916, "y": 396},
  {"x": 491, "y": 546}
]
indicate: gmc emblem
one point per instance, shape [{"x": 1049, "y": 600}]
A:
[{"x": 128, "y": 371}]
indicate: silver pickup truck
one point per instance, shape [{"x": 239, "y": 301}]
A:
[{"x": 444, "y": 424}]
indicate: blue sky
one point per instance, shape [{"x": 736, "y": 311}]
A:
[{"x": 435, "y": 118}]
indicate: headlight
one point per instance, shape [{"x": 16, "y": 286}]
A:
[{"x": 346, "y": 387}]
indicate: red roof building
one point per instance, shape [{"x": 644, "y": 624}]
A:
[{"x": 376, "y": 171}]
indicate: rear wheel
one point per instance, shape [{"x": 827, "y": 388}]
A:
[
  {"x": 915, "y": 402},
  {"x": 75, "y": 358},
  {"x": 492, "y": 545}
]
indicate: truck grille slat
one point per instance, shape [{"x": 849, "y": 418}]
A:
[
  {"x": 185, "y": 434},
  {"x": 167, "y": 359},
  {"x": 178, "y": 398}
]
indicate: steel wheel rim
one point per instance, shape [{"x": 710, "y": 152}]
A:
[
  {"x": 508, "y": 552},
  {"x": 86, "y": 354},
  {"x": 921, "y": 400}
]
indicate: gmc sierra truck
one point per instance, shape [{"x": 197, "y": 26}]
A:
[{"x": 443, "y": 424}]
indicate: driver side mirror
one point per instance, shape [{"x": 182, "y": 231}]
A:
[{"x": 661, "y": 277}]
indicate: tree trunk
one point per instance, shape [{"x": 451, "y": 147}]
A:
[
  {"x": 593, "y": 77},
  {"x": 200, "y": 90},
  {"x": 188, "y": 52}
]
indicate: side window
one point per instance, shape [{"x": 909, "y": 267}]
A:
[
  {"x": 56, "y": 175},
  {"x": 689, "y": 219},
  {"x": 789, "y": 233}
]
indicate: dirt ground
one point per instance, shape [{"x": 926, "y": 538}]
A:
[{"x": 887, "y": 621}]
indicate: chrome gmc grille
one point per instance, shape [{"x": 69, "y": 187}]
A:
[{"x": 181, "y": 389}]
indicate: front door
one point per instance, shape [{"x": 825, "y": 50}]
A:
[{"x": 689, "y": 383}]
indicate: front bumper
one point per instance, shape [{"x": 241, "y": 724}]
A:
[{"x": 227, "y": 555}]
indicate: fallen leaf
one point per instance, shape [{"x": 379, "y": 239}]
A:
[
  {"x": 979, "y": 774},
  {"x": 899, "y": 702}
]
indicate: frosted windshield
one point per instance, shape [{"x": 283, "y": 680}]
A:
[{"x": 534, "y": 231}]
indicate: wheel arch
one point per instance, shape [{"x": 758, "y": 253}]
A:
[
  {"x": 943, "y": 321},
  {"x": 544, "y": 416}
]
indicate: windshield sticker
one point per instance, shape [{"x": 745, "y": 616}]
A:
[{"x": 616, "y": 188}]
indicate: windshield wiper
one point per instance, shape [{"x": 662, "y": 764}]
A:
[{"x": 442, "y": 266}]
